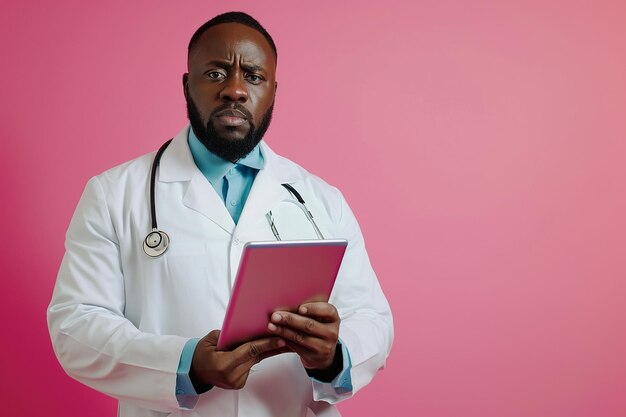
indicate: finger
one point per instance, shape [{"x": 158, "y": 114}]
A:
[
  {"x": 288, "y": 334},
  {"x": 270, "y": 353},
  {"x": 252, "y": 351},
  {"x": 293, "y": 337},
  {"x": 302, "y": 325},
  {"x": 321, "y": 311},
  {"x": 312, "y": 359},
  {"x": 212, "y": 337},
  {"x": 236, "y": 378},
  {"x": 238, "y": 375}
]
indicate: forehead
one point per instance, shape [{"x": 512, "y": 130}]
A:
[{"x": 230, "y": 41}]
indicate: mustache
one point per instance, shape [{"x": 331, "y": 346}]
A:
[{"x": 234, "y": 106}]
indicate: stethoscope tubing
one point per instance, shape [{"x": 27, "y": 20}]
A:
[
  {"x": 153, "y": 170},
  {"x": 157, "y": 241}
]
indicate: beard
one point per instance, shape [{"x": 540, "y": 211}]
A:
[{"x": 228, "y": 149}]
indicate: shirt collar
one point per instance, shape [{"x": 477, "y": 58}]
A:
[{"x": 213, "y": 167}]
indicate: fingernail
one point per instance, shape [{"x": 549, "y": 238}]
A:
[
  {"x": 276, "y": 317},
  {"x": 303, "y": 310},
  {"x": 272, "y": 327},
  {"x": 280, "y": 343}
]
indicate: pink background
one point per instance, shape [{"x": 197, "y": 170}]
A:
[{"x": 482, "y": 144}]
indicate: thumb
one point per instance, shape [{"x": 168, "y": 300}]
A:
[{"x": 212, "y": 337}]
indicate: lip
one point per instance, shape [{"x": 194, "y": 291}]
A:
[
  {"x": 231, "y": 117},
  {"x": 231, "y": 113}
]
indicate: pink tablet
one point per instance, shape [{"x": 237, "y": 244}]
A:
[{"x": 278, "y": 276}]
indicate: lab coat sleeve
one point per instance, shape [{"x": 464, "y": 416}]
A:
[
  {"x": 366, "y": 326},
  {"x": 92, "y": 339}
]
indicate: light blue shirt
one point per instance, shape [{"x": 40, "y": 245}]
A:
[{"x": 232, "y": 182}]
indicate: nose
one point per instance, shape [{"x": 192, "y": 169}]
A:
[{"x": 234, "y": 90}]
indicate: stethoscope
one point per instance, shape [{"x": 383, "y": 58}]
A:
[{"x": 157, "y": 241}]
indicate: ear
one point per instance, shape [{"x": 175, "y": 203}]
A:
[
  {"x": 275, "y": 87},
  {"x": 185, "y": 81}
]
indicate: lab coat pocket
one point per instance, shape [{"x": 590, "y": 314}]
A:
[
  {"x": 195, "y": 287},
  {"x": 179, "y": 284}
]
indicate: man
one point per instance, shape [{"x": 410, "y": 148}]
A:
[{"x": 128, "y": 325}]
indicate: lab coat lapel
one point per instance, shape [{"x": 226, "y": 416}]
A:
[
  {"x": 177, "y": 165},
  {"x": 267, "y": 190},
  {"x": 203, "y": 198}
]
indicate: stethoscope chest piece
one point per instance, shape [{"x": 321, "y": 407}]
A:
[{"x": 156, "y": 243}]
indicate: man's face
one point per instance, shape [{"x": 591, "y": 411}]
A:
[{"x": 230, "y": 89}]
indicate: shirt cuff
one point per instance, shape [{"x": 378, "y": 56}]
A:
[
  {"x": 342, "y": 383},
  {"x": 186, "y": 394}
]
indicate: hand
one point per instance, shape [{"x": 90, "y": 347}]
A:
[
  {"x": 312, "y": 332},
  {"x": 230, "y": 369}
]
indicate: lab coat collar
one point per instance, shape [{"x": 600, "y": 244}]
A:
[
  {"x": 267, "y": 190},
  {"x": 177, "y": 165},
  {"x": 213, "y": 166}
]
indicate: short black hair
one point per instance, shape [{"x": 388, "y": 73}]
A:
[{"x": 232, "y": 17}]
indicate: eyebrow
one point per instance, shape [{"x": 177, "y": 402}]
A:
[{"x": 226, "y": 64}]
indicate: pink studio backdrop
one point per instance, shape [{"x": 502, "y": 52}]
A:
[{"x": 481, "y": 144}]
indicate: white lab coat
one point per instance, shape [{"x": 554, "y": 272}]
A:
[{"x": 119, "y": 319}]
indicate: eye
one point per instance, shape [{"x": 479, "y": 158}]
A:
[
  {"x": 216, "y": 75},
  {"x": 254, "y": 78}
]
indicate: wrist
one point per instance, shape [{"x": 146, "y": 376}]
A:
[
  {"x": 198, "y": 385},
  {"x": 330, "y": 373}
]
